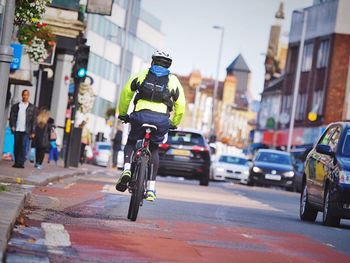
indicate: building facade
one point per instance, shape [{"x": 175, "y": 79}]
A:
[
  {"x": 324, "y": 88},
  {"x": 233, "y": 117},
  {"x": 324, "y": 80},
  {"x": 115, "y": 41}
]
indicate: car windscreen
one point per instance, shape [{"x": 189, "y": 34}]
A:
[
  {"x": 104, "y": 147},
  {"x": 185, "y": 138},
  {"x": 345, "y": 149},
  {"x": 233, "y": 160},
  {"x": 270, "y": 157}
]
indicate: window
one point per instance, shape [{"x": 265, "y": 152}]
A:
[
  {"x": 323, "y": 54},
  {"x": 287, "y": 103},
  {"x": 333, "y": 142},
  {"x": 270, "y": 157},
  {"x": 292, "y": 59},
  {"x": 233, "y": 160},
  {"x": 103, "y": 68},
  {"x": 346, "y": 144},
  {"x": 307, "y": 57},
  {"x": 317, "y": 102},
  {"x": 327, "y": 136},
  {"x": 301, "y": 106}
]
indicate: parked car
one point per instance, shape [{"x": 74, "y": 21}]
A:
[
  {"x": 326, "y": 180},
  {"x": 185, "y": 154},
  {"x": 272, "y": 168},
  {"x": 231, "y": 167},
  {"x": 102, "y": 152}
]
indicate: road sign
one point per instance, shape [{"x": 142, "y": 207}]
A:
[{"x": 17, "y": 55}]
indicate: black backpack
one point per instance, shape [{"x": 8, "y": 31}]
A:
[{"x": 155, "y": 89}]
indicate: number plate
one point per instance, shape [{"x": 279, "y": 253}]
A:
[
  {"x": 275, "y": 177},
  {"x": 180, "y": 152}
]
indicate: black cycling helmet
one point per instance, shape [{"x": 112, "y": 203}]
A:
[{"x": 162, "y": 58}]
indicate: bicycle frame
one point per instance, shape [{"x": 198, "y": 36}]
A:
[{"x": 141, "y": 160}]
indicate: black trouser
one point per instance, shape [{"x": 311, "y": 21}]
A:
[
  {"x": 39, "y": 155},
  {"x": 21, "y": 147},
  {"x": 82, "y": 153},
  {"x": 130, "y": 147}
]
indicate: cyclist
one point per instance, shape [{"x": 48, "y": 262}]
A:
[{"x": 157, "y": 93}]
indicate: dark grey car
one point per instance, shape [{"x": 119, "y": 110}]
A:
[{"x": 272, "y": 168}]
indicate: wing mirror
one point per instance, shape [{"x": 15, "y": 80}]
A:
[{"x": 325, "y": 149}]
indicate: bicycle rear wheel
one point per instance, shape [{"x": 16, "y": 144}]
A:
[{"x": 139, "y": 189}]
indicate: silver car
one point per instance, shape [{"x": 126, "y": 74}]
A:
[
  {"x": 102, "y": 152},
  {"x": 231, "y": 167}
]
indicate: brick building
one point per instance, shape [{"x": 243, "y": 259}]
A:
[{"x": 325, "y": 73}]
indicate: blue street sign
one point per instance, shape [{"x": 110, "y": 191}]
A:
[{"x": 17, "y": 55}]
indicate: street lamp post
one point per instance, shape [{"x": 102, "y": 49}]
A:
[
  {"x": 215, "y": 92},
  {"x": 297, "y": 80}
]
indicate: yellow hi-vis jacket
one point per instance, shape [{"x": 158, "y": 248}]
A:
[{"x": 174, "y": 85}]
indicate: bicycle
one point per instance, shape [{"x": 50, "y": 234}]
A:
[{"x": 141, "y": 160}]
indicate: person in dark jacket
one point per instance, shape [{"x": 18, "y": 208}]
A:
[
  {"x": 42, "y": 137},
  {"x": 22, "y": 123},
  {"x": 117, "y": 146}
]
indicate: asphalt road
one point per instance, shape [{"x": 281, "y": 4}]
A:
[{"x": 83, "y": 219}]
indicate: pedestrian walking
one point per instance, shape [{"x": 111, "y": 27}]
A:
[
  {"x": 85, "y": 140},
  {"x": 117, "y": 146},
  {"x": 22, "y": 123},
  {"x": 53, "y": 155},
  {"x": 42, "y": 137}
]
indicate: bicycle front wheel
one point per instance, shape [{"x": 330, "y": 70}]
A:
[{"x": 139, "y": 190}]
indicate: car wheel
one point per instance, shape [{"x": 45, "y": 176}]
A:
[
  {"x": 250, "y": 181},
  {"x": 328, "y": 219},
  {"x": 307, "y": 212},
  {"x": 204, "y": 180}
]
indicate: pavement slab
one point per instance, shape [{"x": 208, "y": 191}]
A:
[{"x": 19, "y": 183}]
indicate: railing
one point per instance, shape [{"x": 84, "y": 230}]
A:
[{"x": 66, "y": 4}]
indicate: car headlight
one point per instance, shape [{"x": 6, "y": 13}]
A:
[
  {"x": 246, "y": 172},
  {"x": 288, "y": 174},
  {"x": 220, "y": 169},
  {"x": 344, "y": 177},
  {"x": 256, "y": 169}
]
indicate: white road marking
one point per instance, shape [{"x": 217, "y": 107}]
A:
[
  {"x": 247, "y": 236},
  {"x": 329, "y": 245},
  {"x": 55, "y": 235},
  {"x": 69, "y": 185}
]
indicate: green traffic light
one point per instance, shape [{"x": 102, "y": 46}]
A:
[{"x": 81, "y": 72}]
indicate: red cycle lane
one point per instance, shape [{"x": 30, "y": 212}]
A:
[{"x": 95, "y": 234}]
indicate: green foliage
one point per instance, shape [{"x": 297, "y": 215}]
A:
[
  {"x": 29, "y": 10},
  {"x": 2, "y": 188}
]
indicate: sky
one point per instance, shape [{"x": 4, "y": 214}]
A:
[{"x": 189, "y": 36}]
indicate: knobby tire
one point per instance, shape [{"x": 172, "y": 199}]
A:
[{"x": 138, "y": 193}]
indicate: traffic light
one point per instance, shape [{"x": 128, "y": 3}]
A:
[{"x": 81, "y": 59}]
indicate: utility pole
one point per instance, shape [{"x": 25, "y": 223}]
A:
[
  {"x": 122, "y": 69},
  {"x": 6, "y": 54},
  {"x": 297, "y": 80},
  {"x": 215, "y": 92}
]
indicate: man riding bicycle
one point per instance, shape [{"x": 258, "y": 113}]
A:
[{"x": 157, "y": 93}]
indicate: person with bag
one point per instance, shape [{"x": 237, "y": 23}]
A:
[
  {"x": 157, "y": 93},
  {"x": 85, "y": 140},
  {"x": 53, "y": 155},
  {"x": 42, "y": 137}
]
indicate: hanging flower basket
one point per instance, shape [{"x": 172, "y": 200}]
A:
[
  {"x": 37, "y": 39},
  {"x": 27, "y": 10}
]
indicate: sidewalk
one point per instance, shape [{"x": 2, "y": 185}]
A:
[{"x": 16, "y": 185}]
